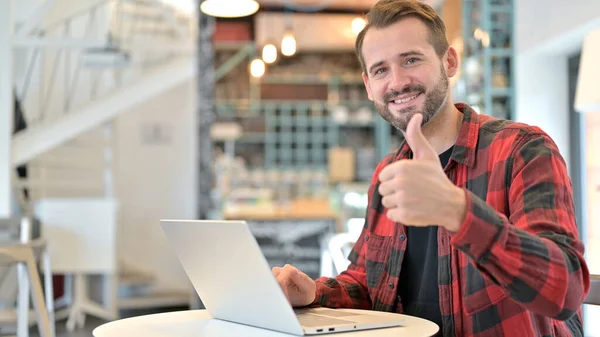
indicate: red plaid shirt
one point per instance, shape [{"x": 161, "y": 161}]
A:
[{"x": 516, "y": 265}]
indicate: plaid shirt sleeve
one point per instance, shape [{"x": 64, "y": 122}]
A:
[
  {"x": 349, "y": 289},
  {"x": 534, "y": 254}
]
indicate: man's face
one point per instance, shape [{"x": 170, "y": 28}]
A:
[{"x": 404, "y": 74}]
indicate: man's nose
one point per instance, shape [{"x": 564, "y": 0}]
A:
[{"x": 399, "y": 79}]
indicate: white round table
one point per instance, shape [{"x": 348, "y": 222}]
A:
[{"x": 198, "y": 323}]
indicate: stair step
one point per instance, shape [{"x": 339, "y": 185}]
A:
[
  {"x": 48, "y": 134},
  {"x": 9, "y": 317},
  {"x": 153, "y": 31},
  {"x": 156, "y": 299},
  {"x": 131, "y": 278},
  {"x": 139, "y": 2}
]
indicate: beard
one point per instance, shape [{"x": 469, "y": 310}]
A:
[{"x": 433, "y": 102}]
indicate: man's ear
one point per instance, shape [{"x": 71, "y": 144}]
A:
[
  {"x": 366, "y": 82},
  {"x": 452, "y": 62}
]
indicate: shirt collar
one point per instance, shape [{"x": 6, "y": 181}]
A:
[{"x": 465, "y": 147}]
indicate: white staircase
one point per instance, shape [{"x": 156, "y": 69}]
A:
[
  {"x": 35, "y": 140},
  {"x": 74, "y": 75},
  {"x": 78, "y": 74}
]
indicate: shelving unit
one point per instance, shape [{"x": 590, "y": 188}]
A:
[
  {"x": 488, "y": 60},
  {"x": 298, "y": 135},
  {"x": 302, "y": 108}
]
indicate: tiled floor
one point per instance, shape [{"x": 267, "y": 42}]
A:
[
  {"x": 61, "y": 331},
  {"x": 92, "y": 322}
]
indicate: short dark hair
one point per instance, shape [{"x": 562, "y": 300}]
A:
[{"x": 387, "y": 12}]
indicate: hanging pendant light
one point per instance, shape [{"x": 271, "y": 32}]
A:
[
  {"x": 229, "y": 8},
  {"x": 269, "y": 53},
  {"x": 257, "y": 68},
  {"x": 288, "y": 44},
  {"x": 358, "y": 24}
]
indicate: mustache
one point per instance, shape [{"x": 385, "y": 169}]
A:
[{"x": 417, "y": 89}]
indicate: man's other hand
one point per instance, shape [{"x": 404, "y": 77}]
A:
[{"x": 299, "y": 289}]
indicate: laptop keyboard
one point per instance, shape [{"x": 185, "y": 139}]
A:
[{"x": 310, "y": 320}]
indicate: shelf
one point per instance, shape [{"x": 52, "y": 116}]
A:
[
  {"x": 497, "y": 17},
  {"x": 311, "y": 79},
  {"x": 501, "y": 92},
  {"x": 233, "y": 45},
  {"x": 491, "y": 52},
  {"x": 356, "y": 125},
  {"x": 501, "y": 52},
  {"x": 252, "y": 138},
  {"x": 501, "y": 8}
]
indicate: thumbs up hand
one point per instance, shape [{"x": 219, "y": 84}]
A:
[
  {"x": 417, "y": 192},
  {"x": 421, "y": 148}
]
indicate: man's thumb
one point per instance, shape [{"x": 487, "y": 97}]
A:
[{"x": 416, "y": 140}]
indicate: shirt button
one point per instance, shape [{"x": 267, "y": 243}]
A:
[
  {"x": 402, "y": 237},
  {"x": 391, "y": 285},
  {"x": 367, "y": 238}
]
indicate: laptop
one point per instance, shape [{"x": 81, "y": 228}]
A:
[{"x": 232, "y": 277}]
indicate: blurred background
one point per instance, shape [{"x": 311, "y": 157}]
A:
[{"x": 117, "y": 113}]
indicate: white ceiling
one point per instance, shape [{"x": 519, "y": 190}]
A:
[
  {"x": 349, "y": 4},
  {"x": 308, "y": 28},
  {"x": 189, "y": 6}
]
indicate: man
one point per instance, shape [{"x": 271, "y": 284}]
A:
[{"x": 470, "y": 224}]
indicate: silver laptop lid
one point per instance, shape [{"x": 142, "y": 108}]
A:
[{"x": 230, "y": 273}]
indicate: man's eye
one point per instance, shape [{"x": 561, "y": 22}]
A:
[
  {"x": 412, "y": 60},
  {"x": 379, "y": 71}
]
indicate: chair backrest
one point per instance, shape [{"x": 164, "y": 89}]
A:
[
  {"x": 18, "y": 252},
  {"x": 9, "y": 249},
  {"x": 593, "y": 296},
  {"x": 9, "y": 229},
  {"x": 12, "y": 231},
  {"x": 339, "y": 247}
]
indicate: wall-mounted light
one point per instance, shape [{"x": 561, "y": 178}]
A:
[
  {"x": 269, "y": 53},
  {"x": 288, "y": 44},
  {"x": 184, "y": 6},
  {"x": 587, "y": 98},
  {"x": 229, "y": 8},
  {"x": 482, "y": 36},
  {"x": 358, "y": 24},
  {"x": 257, "y": 68}
]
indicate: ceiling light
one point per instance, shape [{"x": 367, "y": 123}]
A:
[
  {"x": 257, "y": 68},
  {"x": 288, "y": 44},
  {"x": 587, "y": 97},
  {"x": 269, "y": 53},
  {"x": 229, "y": 8},
  {"x": 358, "y": 24}
]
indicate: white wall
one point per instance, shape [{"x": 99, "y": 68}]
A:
[
  {"x": 547, "y": 32},
  {"x": 540, "y": 22},
  {"x": 45, "y": 72},
  {"x": 155, "y": 179},
  {"x": 542, "y": 96},
  {"x": 6, "y": 108}
]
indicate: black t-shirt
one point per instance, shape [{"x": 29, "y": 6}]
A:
[{"x": 418, "y": 286}]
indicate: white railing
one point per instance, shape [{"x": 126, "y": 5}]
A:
[
  {"x": 63, "y": 66},
  {"x": 111, "y": 53}
]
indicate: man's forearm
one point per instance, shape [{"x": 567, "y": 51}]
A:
[{"x": 344, "y": 291}]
